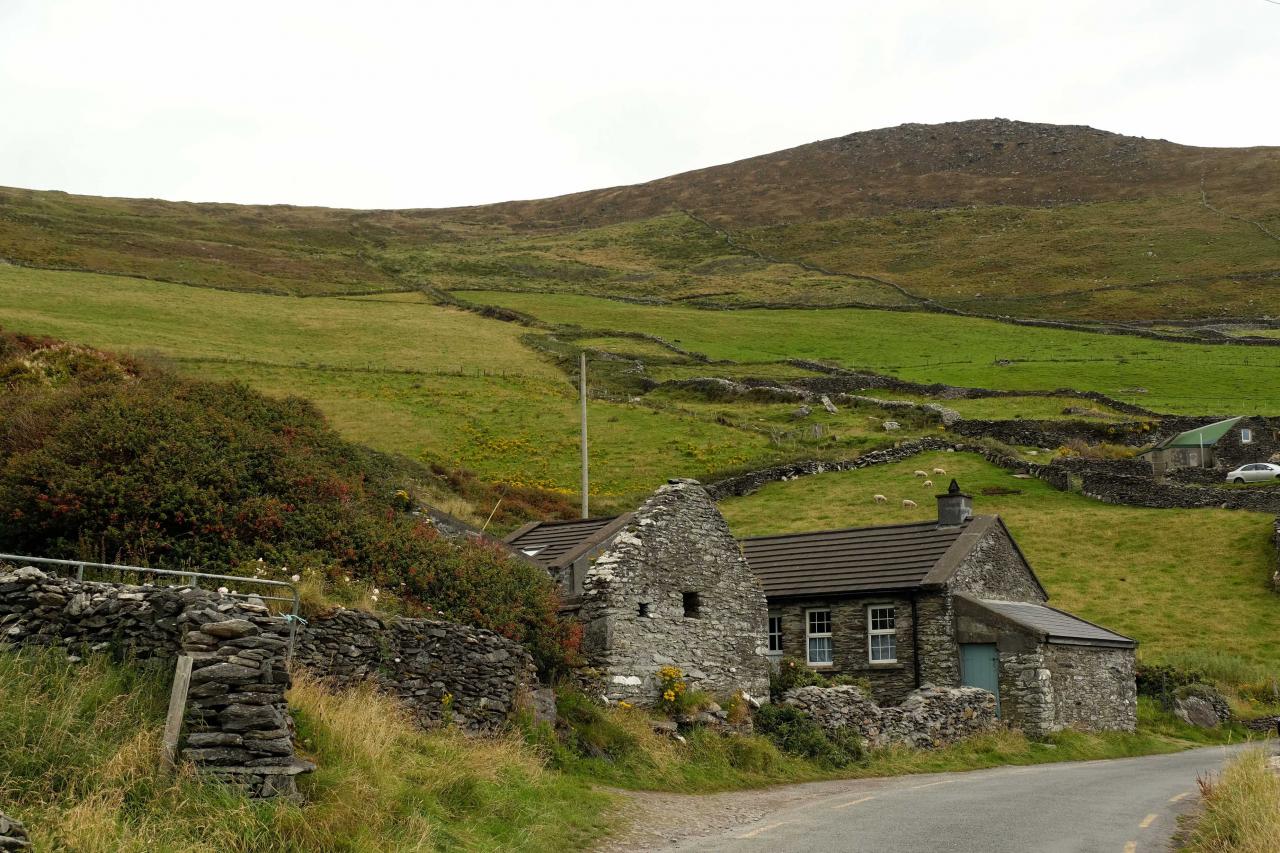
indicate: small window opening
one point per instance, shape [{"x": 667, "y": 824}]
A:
[
  {"x": 1246, "y": 436},
  {"x": 644, "y": 610},
  {"x": 692, "y": 605}
]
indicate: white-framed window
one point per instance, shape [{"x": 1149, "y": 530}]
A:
[
  {"x": 882, "y": 635},
  {"x": 775, "y": 633},
  {"x": 1246, "y": 436},
  {"x": 818, "y": 637}
]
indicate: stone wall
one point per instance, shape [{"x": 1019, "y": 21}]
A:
[
  {"x": 674, "y": 589},
  {"x": 996, "y": 569},
  {"x": 1094, "y": 688},
  {"x": 1026, "y": 688},
  {"x": 13, "y": 835},
  {"x": 1055, "y": 433},
  {"x": 422, "y": 661},
  {"x": 1140, "y": 491},
  {"x": 928, "y": 717},
  {"x": 237, "y": 722},
  {"x": 1275, "y": 543},
  {"x": 936, "y": 639}
]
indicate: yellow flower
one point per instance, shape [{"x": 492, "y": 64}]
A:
[
  {"x": 669, "y": 696},
  {"x": 624, "y": 704}
]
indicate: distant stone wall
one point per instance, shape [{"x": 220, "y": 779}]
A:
[
  {"x": 237, "y": 722},
  {"x": 421, "y": 662},
  {"x": 1055, "y": 433},
  {"x": 13, "y": 835},
  {"x": 1094, "y": 688},
  {"x": 926, "y": 718},
  {"x": 1145, "y": 491}
]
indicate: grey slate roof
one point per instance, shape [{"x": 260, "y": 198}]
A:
[
  {"x": 558, "y": 543},
  {"x": 855, "y": 560},
  {"x": 1055, "y": 625}
]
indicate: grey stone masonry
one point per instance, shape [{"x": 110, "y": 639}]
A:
[
  {"x": 421, "y": 662},
  {"x": 237, "y": 722},
  {"x": 672, "y": 588},
  {"x": 1094, "y": 688},
  {"x": 13, "y": 835},
  {"x": 928, "y": 717},
  {"x": 995, "y": 568}
]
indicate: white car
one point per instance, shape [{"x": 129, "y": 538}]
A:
[{"x": 1255, "y": 473}]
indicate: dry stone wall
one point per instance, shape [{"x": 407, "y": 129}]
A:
[
  {"x": 1145, "y": 491},
  {"x": 928, "y": 717},
  {"x": 439, "y": 670},
  {"x": 1093, "y": 688},
  {"x": 13, "y": 835},
  {"x": 237, "y": 724}
]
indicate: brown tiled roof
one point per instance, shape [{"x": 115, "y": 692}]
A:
[
  {"x": 855, "y": 560},
  {"x": 1055, "y": 625},
  {"x": 556, "y": 544}
]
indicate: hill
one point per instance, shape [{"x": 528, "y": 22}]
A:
[{"x": 988, "y": 217}]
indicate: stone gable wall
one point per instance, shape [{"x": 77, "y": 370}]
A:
[
  {"x": 677, "y": 542},
  {"x": 926, "y": 718},
  {"x": 237, "y": 722},
  {"x": 420, "y": 662},
  {"x": 1094, "y": 688},
  {"x": 994, "y": 569}
]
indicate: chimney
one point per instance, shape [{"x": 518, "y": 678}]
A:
[{"x": 955, "y": 507}]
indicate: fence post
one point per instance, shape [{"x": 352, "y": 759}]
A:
[{"x": 177, "y": 708}]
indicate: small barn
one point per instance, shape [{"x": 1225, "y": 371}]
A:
[
  {"x": 1222, "y": 445},
  {"x": 951, "y": 602},
  {"x": 665, "y": 585}
]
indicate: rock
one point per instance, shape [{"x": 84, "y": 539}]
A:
[
  {"x": 802, "y": 412},
  {"x": 1200, "y": 705},
  {"x": 890, "y": 426},
  {"x": 828, "y": 405},
  {"x": 230, "y": 629}
]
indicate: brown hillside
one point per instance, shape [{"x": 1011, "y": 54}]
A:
[{"x": 984, "y": 162}]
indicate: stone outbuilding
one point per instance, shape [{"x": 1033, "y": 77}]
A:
[
  {"x": 951, "y": 602},
  {"x": 1222, "y": 445},
  {"x": 665, "y": 585}
]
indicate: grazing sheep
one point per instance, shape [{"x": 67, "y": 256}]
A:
[
  {"x": 928, "y": 482},
  {"x": 880, "y": 499},
  {"x": 940, "y": 470},
  {"x": 921, "y": 474},
  {"x": 906, "y": 504}
]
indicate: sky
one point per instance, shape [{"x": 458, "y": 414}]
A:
[{"x": 434, "y": 104}]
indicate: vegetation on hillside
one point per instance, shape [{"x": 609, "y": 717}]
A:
[{"x": 103, "y": 460}]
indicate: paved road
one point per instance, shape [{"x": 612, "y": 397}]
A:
[{"x": 1123, "y": 806}]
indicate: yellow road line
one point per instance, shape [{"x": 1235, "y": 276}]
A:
[
  {"x": 1181, "y": 796},
  {"x": 1147, "y": 821},
  {"x": 1131, "y": 847},
  {"x": 852, "y": 803},
  {"x": 930, "y": 784},
  {"x": 753, "y": 833}
]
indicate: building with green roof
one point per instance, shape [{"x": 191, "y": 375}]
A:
[{"x": 1221, "y": 445}]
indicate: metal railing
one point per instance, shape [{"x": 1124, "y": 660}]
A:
[{"x": 190, "y": 578}]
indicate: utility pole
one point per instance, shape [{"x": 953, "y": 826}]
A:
[{"x": 582, "y": 387}]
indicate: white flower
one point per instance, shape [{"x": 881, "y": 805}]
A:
[
  {"x": 346, "y": 579},
  {"x": 397, "y": 660},
  {"x": 295, "y": 578},
  {"x": 375, "y": 590},
  {"x": 222, "y": 590},
  {"x": 260, "y": 560}
]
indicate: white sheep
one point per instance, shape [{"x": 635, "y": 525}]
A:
[
  {"x": 922, "y": 473},
  {"x": 880, "y": 499},
  {"x": 928, "y": 483},
  {"x": 906, "y": 504},
  {"x": 940, "y": 471}
]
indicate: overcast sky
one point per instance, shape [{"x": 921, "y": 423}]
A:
[{"x": 429, "y": 104}]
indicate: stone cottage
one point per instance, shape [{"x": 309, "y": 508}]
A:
[
  {"x": 664, "y": 585},
  {"x": 1223, "y": 445},
  {"x": 951, "y": 602}
]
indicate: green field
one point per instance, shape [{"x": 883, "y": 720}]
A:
[
  {"x": 1176, "y": 377},
  {"x": 1179, "y": 581}
]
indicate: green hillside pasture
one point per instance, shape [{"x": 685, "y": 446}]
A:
[
  {"x": 396, "y": 373},
  {"x": 1088, "y": 261},
  {"x": 1172, "y": 377},
  {"x": 1176, "y": 580}
]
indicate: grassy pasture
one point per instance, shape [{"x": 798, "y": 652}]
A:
[
  {"x": 1161, "y": 576},
  {"x": 1177, "y": 378}
]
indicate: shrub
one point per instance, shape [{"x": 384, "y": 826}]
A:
[
  {"x": 791, "y": 673},
  {"x": 796, "y": 732},
  {"x": 1081, "y": 449}
]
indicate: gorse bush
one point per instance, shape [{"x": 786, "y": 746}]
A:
[{"x": 122, "y": 464}]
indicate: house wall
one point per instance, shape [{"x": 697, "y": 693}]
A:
[
  {"x": 995, "y": 569},
  {"x": 677, "y": 542},
  {"x": 1094, "y": 687},
  {"x": 1231, "y": 453},
  {"x": 890, "y": 682}
]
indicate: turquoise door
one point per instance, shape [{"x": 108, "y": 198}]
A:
[{"x": 980, "y": 667}]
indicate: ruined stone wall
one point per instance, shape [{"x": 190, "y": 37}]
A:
[
  {"x": 926, "y": 718},
  {"x": 237, "y": 723},
  {"x": 1094, "y": 688},
  {"x": 634, "y": 602},
  {"x": 995, "y": 569},
  {"x": 421, "y": 662}
]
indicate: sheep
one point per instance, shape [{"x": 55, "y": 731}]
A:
[
  {"x": 928, "y": 483},
  {"x": 942, "y": 471},
  {"x": 880, "y": 499},
  {"x": 921, "y": 474},
  {"x": 906, "y": 504}
]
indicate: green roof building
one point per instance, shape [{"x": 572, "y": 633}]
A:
[{"x": 1221, "y": 445}]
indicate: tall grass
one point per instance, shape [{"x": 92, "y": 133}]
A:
[
  {"x": 81, "y": 752},
  {"x": 1241, "y": 809}
]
